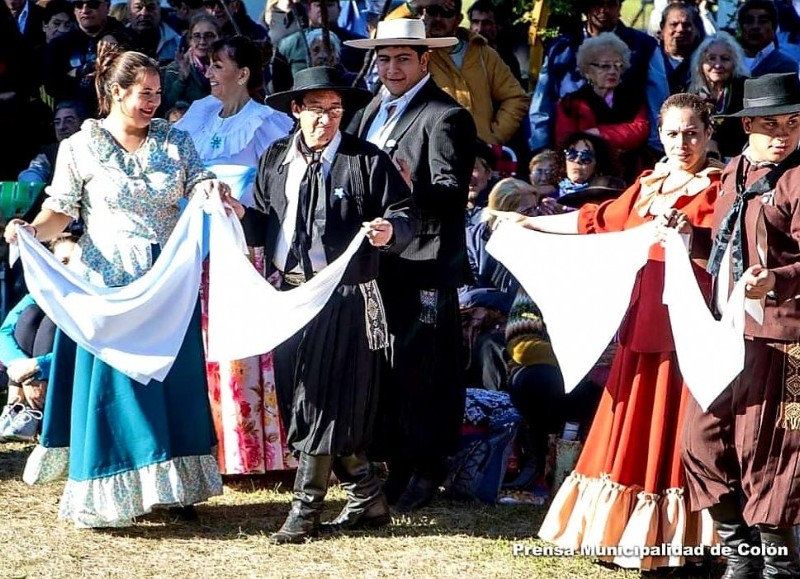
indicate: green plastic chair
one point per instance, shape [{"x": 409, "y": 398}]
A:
[{"x": 16, "y": 197}]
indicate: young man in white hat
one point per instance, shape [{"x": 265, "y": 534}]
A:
[
  {"x": 431, "y": 137},
  {"x": 314, "y": 190},
  {"x": 742, "y": 456}
]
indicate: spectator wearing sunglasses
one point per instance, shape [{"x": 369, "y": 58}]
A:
[
  {"x": 587, "y": 162},
  {"x": 69, "y": 60},
  {"x": 598, "y": 108},
  {"x": 185, "y": 77},
  {"x": 472, "y": 72}
]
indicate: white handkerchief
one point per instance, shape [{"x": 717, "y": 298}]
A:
[
  {"x": 139, "y": 328},
  {"x": 238, "y": 297},
  {"x": 581, "y": 283},
  {"x": 710, "y": 352}
]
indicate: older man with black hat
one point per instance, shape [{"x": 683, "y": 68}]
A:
[
  {"x": 314, "y": 190},
  {"x": 742, "y": 456}
]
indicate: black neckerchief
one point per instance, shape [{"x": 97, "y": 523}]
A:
[{"x": 732, "y": 225}]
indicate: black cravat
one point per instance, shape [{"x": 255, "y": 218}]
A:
[{"x": 308, "y": 193}]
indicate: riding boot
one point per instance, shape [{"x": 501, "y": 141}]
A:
[
  {"x": 310, "y": 487},
  {"x": 780, "y": 547},
  {"x": 366, "y": 505},
  {"x": 738, "y": 537}
]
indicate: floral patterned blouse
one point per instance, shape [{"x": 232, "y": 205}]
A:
[{"x": 128, "y": 201}]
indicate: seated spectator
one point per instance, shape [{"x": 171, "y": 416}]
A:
[
  {"x": 560, "y": 74},
  {"x": 758, "y": 25},
  {"x": 185, "y": 78},
  {"x": 66, "y": 121},
  {"x": 480, "y": 183},
  {"x": 545, "y": 173},
  {"x": 153, "y": 36},
  {"x": 57, "y": 20},
  {"x": 241, "y": 24},
  {"x": 69, "y": 59},
  {"x": 535, "y": 382},
  {"x": 587, "y": 158},
  {"x": 718, "y": 75},
  {"x": 26, "y": 345},
  {"x": 180, "y": 16},
  {"x": 280, "y": 16},
  {"x": 598, "y": 108},
  {"x": 485, "y": 303}
]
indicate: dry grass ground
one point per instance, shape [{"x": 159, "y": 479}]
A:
[{"x": 448, "y": 539}]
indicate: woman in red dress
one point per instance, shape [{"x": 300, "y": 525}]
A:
[{"x": 628, "y": 486}]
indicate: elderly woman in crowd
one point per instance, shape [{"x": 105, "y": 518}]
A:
[
  {"x": 185, "y": 77},
  {"x": 598, "y": 107},
  {"x": 629, "y": 476},
  {"x": 718, "y": 74},
  {"x": 231, "y": 131}
]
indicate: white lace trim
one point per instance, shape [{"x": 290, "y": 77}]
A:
[{"x": 114, "y": 501}]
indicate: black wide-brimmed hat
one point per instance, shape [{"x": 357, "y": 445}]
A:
[
  {"x": 318, "y": 78},
  {"x": 771, "y": 94}
]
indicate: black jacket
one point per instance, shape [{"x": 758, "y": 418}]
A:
[
  {"x": 436, "y": 137},
  {"x": 362, "y": 185}
]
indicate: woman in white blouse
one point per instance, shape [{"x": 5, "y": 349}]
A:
[
  {"x": 228, "y": 127},
  {"x": 230, "y": 131}
]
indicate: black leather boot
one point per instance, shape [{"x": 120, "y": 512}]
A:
[
  {"x": 781, "y": 556},
  {"x": 310, "y": 487},
  {"x": 420, "y": 491},
  {"x": 737, "y": 535},
  {"x": 366, "y": 506}
]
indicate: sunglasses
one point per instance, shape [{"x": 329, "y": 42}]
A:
[
  {"x": 90, "y": 4},
  {"x": 438, "y": 12},
  {"x": 582, "y": 157}
]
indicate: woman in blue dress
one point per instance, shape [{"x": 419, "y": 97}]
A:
[{"x": 129, "y": 446}]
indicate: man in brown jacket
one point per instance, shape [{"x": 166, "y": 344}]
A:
[
  {"x": 471, "y": 72},
  {"x": 742, "y": 456}
]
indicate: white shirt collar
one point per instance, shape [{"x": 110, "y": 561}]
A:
[
  {"x": 403, "y": 100},
  {"x": 328, "y": 153}
]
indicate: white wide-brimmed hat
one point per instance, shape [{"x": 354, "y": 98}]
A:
[{"x": 402, "y": 32}]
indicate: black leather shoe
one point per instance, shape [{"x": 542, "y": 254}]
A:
[{"x": 419, "y": 493}]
